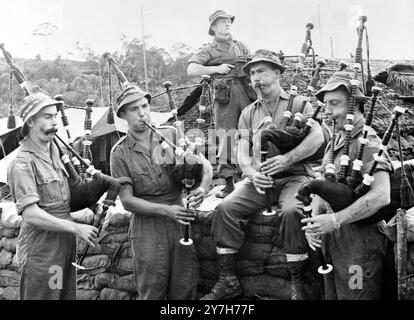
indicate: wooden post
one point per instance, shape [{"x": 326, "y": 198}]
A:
[{"x": 402, "y": 254}]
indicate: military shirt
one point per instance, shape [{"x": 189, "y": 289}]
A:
[
  {"x": 36, "y": 177},
  {"x": 368, "y": 155},
  {"x": 251, "y": 122},
  {"x": 220, "y": 48},
  {"x": 149, "y": 174}
]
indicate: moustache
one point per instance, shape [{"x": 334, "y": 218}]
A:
[{"x": 51, "y": 130}]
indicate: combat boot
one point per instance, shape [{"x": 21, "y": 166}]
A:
[
  {"x": 229, "y": 187},
  {"x": 297, "y": 275},
  {"x": 227, "y": 287}
]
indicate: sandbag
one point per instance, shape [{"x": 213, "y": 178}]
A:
[
  {"x": 85, "y": 281},
  {"x": 8, "y": 232},
  {"x": 265, "y": 285},
  {"x": 9, "y": 278},
  {"x": 107, "y": 237},
  {"x": 113, "y": 281},
  {"x": 123, "y": 266},
  {"x": 95, "y": 264},
  {"x": 206, "y": 249},
  {"x": 117, "y": 217},
  {"x": 14, "y": 264},
  {"x": 83, "y": 294},
  {"x": 10, "y": 293},
  {"x": 8, "y": 244},
  {"x": 9, "y": 216},
  {"x": 84, "y": 216},
  {"x": 249, "y": 267},
  {"x": 113, "y": 294},
  {"x": 254, "y": 251},
  {"x": 5, "y": 258}
]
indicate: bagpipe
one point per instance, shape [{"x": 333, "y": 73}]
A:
[
  {"x": 86, "y": 189},
  {"x": 341, "y": 189},
  {"x": 183, "y": 157}
]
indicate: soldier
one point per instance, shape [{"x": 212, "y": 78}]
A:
[
  {"x": 231, "y": 86},
  {"x": 345, "y": 243},
  {"x": 39, "y": 185},
  {"x": 163, "y": 268},
  {"x": 234, "y": 212}
]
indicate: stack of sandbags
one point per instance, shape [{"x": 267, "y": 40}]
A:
[
  {"x": 261, "y": 266},
  {"x": 108, "y": 273},
  {"x": 9, "y": 271}
]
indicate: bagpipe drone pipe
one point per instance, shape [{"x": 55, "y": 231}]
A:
[{"x": 341, "y": 189}]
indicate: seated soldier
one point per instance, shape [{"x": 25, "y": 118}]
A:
[{"x": 233, "y": 214}]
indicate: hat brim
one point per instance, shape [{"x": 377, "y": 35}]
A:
[
  {"x": 129, "y": 99},
  {"x": 226, "y": 16},
  {"x": 246, "y": 67},
  {"x": 42, "y": 104},
  {"x": 334, "y": 86}
]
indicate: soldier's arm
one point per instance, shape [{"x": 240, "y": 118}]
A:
[
  {"x": 195, "y": 69},
  {"x": 376, "y": 198}
]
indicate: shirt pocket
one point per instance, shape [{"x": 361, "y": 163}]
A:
[
  {"x": 143, "y": 183},
  {"x": 49, "y": 187}
]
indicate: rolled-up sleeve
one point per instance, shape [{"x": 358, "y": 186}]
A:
[
  {"x": 201, "y": 56},
  {"x": 370, "y": 149},
  {"x": 22, "y": 182},
  {"x": 118, "y": 166}
]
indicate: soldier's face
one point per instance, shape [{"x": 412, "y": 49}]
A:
[
  {"x": 222, "y": 26},
  {"x": 43, "y": 125},
  {"x": 264, "y": 76},
  {"x": 136, "y": 113},
  {"x": 336, "y": 107}
]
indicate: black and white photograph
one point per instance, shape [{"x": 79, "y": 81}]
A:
[{"x": 229, "y": 151}]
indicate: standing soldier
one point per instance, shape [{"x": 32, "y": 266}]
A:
[
  {"x": 232, "y": 91},
  {"x": 39, "y": 185}
]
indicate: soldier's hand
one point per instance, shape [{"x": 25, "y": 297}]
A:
[
  {"x": 196, "y": 197},
  {"x": 262, "y": 182},
  {"x": 224, "y": 68},
  {"x": 180, "y": 214},
  {"x": 275, "y": 165},
  {"x": 87, "y": 233}
]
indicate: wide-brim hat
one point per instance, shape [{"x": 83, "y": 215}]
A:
[
  {"x": 129, "y": 95},
  {"x": 33, "y": 104},
  {"x": 263, "y": 55},
  {"x": 218, "y": 14},
  {"x": 337, "y": 80}
]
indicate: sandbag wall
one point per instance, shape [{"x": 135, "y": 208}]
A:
[
  {"x": 261, "y": 265},
  {"x": 9, "y": 270},
  {"x": 108, "y": 273}
]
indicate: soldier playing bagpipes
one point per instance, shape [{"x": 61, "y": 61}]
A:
[
  {"x": 291, "y": 169},
  {"x": 347, "y": 242},
  {"x": 39, "y": 184},
  {"x": 46, "y": 188},
  {"x": 163, "y": 268}
]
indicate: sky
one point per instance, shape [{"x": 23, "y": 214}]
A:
[{"x": 271, "y": 24}]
